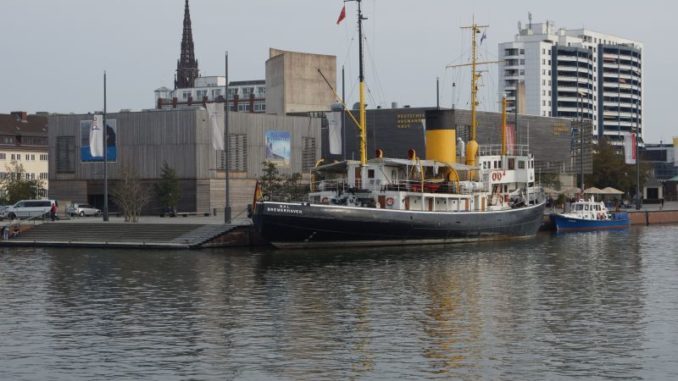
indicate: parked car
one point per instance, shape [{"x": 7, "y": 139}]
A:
[
  {"x": 28, "y": 208},
  {"x": 82, "y": 210}
]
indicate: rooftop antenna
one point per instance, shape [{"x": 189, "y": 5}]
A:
[{"x": 529, "y": 18}]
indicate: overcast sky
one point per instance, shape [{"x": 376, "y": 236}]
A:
[{"x": 54, "y": 52}]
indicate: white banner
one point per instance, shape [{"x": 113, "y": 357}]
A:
[
  {"x": 217, "y": 129},
  {"x": 630, "y": 148},
  {"x": 510, "y": 138},
  {"x": 96, "y": 136},
  {"x": 334, "y": 128}
]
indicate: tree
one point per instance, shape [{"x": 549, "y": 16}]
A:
[
  {"x": 610, "y": 170},
  {"x": 17, "y": 186},
  {"x": 550, "y": 180},
  {"x": 270, "y": 180},
  {"x": 281, "y": 187},
  {"x": 129, "y": 194},
  {"x": 167, "y": 189}
]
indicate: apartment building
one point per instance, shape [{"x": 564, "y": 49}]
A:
[{"x": 577, "y": 74}]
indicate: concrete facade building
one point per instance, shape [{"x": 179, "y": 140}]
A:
[
  {"x": 294, "y": 85},
  {"x": 575, "y": 73},
  {"x": 182, "y": 138},
  {"x": 395, "y": 131},
  {"x": 23, "y": 141}
]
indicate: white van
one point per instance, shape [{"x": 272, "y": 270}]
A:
[{"x": 29, "y": 208}]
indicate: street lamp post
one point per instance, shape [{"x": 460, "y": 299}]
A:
[
  {"x": 105, "y": 133},
  {"x": 580, "y": 117},
  {"x": 227, "y": 207},
  {"x": 638, "y": 198}
]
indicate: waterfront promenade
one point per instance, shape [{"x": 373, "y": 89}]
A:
[{"x": 199, "y": 231}]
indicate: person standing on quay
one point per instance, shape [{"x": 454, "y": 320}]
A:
[{"x": 52, "y": 212}]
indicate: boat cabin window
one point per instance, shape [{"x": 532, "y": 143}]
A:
[
  {"x": 370, "y": 173},
  {"x": 579, "y": 207},
  {"x": 521, "y": 164},
  {"x": 586, "y": 207},
  {"x": 511, "y": 163}
]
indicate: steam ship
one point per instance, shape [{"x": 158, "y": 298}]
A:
[{"x": 390, "y": 201}]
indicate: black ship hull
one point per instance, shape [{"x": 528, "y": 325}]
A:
[{"x": 297, "y": 225}]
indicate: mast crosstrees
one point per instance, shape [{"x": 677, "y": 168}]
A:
[{"x": 472, "y": 145}]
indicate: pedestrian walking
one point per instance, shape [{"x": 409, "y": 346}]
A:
[{"x": 52, "y": 212}]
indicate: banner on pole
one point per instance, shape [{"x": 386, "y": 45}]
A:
[
  {"x": 630, "y": 148},
  {"x": 96, "y": 136},
  {"x": 334, "y": 128},
  {"x": 217, "y": 130}
]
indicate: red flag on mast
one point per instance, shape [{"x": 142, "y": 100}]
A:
[{"x": 342, "y": 15}]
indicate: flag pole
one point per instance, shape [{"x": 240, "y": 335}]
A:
[
  {"x": 105, "y": 137},
  {"x": 227, "y": 207}
]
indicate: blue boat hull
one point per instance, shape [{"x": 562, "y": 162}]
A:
[{"x": 620, "y": 220}]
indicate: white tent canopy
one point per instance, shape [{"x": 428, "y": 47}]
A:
[
  {"x": 610, "y": 190},
  {"x": 592, "y": 190}
]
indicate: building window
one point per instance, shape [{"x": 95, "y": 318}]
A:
[
  {"x": 3, "y": 156},
  {"x": 237, "y": 154},
  {"x": 43, "y": 176},
  {"x": 308, "y": 158},
  {"x": 65, "y": 150},
  {"x": 43, "y": 157}
]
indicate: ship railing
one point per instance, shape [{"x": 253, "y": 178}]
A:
[
  {"x": 418, "y": 186},
  {"x": 329, "y": 185},
  {"x": 495, "y": 150}
]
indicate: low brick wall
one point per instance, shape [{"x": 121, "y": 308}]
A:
[{"x": 653, "y": 217}]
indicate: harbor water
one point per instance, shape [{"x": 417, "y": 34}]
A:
[{"x": 584, "y": 305}]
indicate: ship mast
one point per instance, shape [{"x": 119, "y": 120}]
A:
[
  {"x": 472, "y": 145},
  {"x": 363, "y": 118}
]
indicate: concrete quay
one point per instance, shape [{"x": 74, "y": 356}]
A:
[{"x": 190, "y": 232}]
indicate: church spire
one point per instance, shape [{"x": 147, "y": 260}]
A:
[{"x": 187, "y": 66}]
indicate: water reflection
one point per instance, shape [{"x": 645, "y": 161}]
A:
[{"x": 580, "y": 305}]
